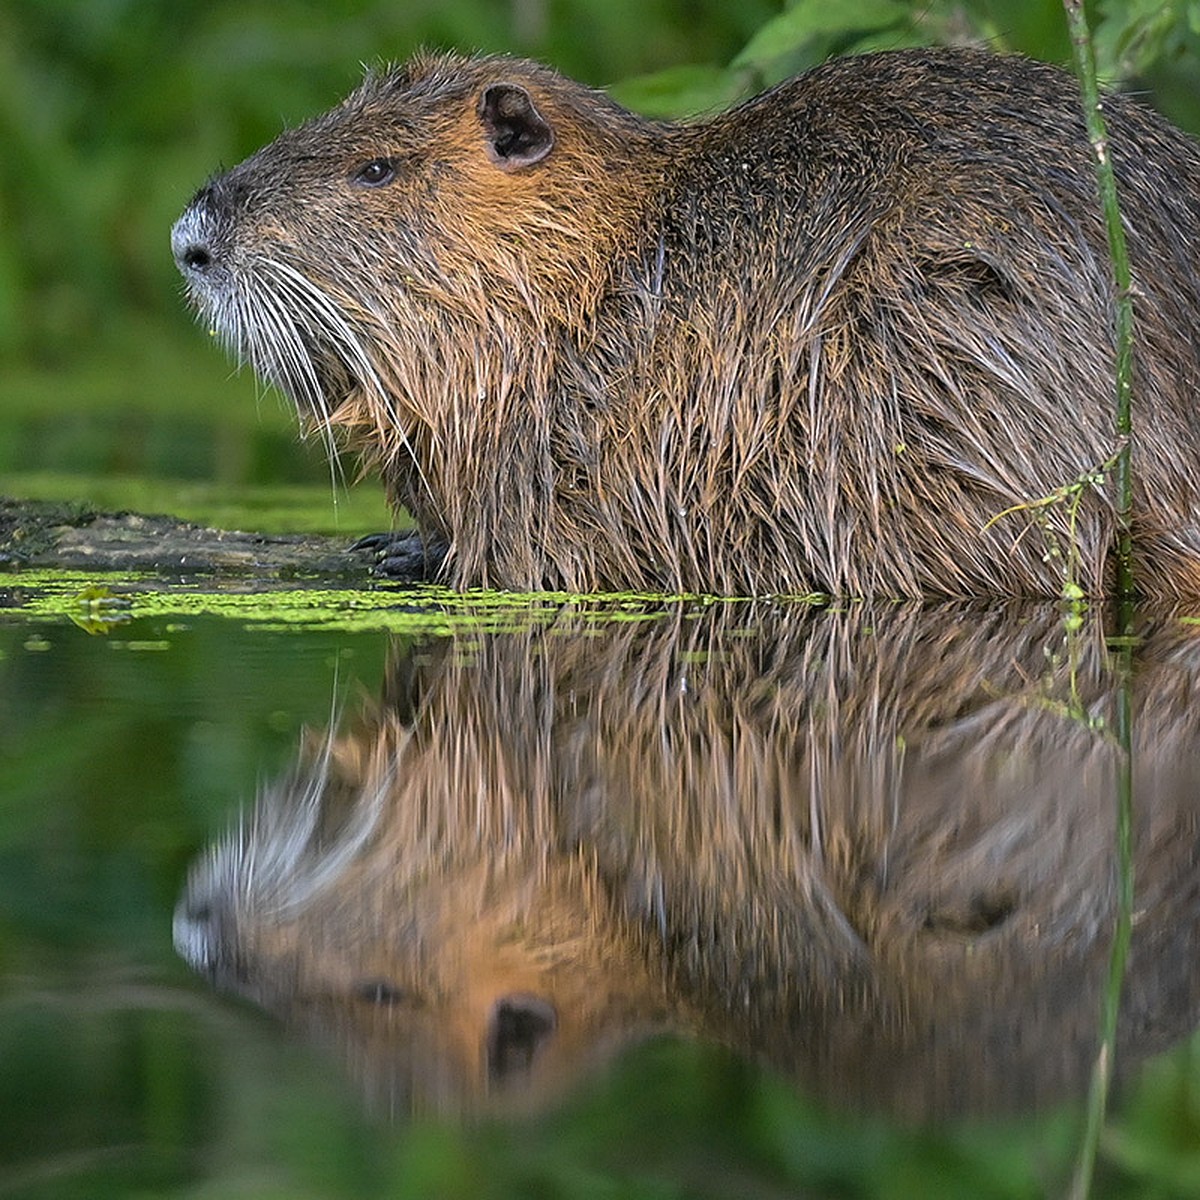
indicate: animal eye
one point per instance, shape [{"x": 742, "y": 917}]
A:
[
  {"x": 380, "y": 992},
  {"x": 376, "y": 173}
]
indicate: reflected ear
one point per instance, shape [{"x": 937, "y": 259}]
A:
[
  {"x": 519, "y": 1028},
  {"x": 517, "y": 134}
]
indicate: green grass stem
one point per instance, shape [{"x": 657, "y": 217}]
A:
[
  {"x": 1102, "y": 1070},
  {"x": 1085, "y": 63}
]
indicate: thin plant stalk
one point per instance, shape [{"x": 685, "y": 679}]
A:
[
  {"x": 1102, "y": 1069},
  {"x": 1085, "y": 64}
]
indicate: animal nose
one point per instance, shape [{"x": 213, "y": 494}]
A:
[
  {"x": 191, "y": 245},
  {"x": 194, "y": 237},
  {"x": 201, "y": 932},
  {"x": 193, "y": 256}
]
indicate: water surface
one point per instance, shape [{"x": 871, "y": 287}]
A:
[{"x": 646, "y": 898}]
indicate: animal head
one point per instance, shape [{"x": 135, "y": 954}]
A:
[{"x": 441, "y": 202}]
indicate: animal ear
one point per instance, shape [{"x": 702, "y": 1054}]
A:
[
  {"x": 517, "y": 134},
  {"x": 519, "y": 1028}
]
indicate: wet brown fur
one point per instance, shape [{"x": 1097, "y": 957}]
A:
[{"x": 819, "y": 342}]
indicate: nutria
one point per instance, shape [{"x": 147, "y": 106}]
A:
[
  {"x": 873, "y": 847},
  {"x": 843, "y": 338}
]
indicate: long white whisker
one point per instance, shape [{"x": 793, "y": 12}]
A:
[
  {"x": 304, "y": 339},
  {"x": 325, "y": 319},
  {"x": 285, "y": 356}
]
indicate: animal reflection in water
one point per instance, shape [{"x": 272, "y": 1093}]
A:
[{"x": 873, "y": 848}]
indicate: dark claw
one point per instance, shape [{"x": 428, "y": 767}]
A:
[
  {"x": 405, "y": 557},
  {"x": 380, "y": 541}
]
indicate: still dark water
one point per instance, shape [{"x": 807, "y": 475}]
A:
[{"x": 633, "y": 899}]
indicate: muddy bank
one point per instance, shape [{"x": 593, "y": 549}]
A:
[{"x": 75, "y": 536}]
